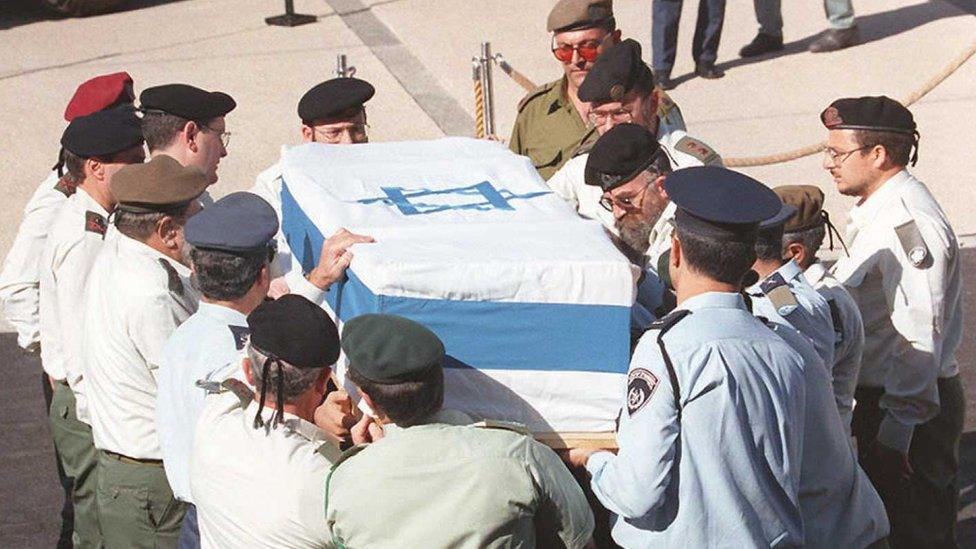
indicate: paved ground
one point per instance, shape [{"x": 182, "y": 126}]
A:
[{"x": 417, "y": 53}]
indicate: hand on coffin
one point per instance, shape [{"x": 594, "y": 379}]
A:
[
  {"x": 576, "y": 457},
  {"x": 337, "y": 415},
  {"x": 335, "y": 258}
]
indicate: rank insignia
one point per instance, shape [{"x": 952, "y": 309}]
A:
[
  {"x": 95, "y": 223},
  {"x": 240, "y": 333},
  {"x": 641, "y": 384}
]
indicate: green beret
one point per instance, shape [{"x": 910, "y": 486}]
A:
[{"x": 390, "y": 349}]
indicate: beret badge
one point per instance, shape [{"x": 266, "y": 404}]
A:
[
  {"x": 617, "y": 92},
  {"x": 831, "y": 117}
]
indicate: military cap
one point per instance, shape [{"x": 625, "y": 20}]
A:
[
  {"x": 390, "y": 349},
  {"x": 295, "y": 330},
  {"x": 881, "y": 113},
  {"x": 100, "y": 93},
  {"x": 186, "y": 101},
  {"x": 622, "y": 153},
  {"x": 569, "y": 15},
  {"x": 239, "y": 223},
  {"x": 157, "y": 186},
  {"x": 720, "y": 203},
  {"x": 102, "y": 133},
  {"x": 334, "y": 97},
  {"x": 808, "y": 201},
  {"x": 617, "y": 71}
]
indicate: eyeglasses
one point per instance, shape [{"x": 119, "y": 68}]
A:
[
  {"x": 607, "y": 201},
  {"x": 224, "y": 136},
  {"x": 357, "y": 133},
  {"x": 600, "y": 118},
  {"x": 838, "y": 157},
  {"x": 588, "y": 51}
]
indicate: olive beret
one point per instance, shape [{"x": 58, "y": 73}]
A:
[
  {"x": 390, "y": 349},
  {"x": 186, "y": 101},
  {"x": 334, "y": 97},
  {"x": 157, "y": 186},
  {"x": 808, "y": 201},
  {"x": 615, "y": 72},
  {"x": 100, "y": 93},
  {"x": 102, "y": 133},
  {"x": 569, "y": 15},
  {"x": 295, "y": 330},
  {"x": 622, "y": 153}
]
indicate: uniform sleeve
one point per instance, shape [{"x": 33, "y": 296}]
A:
[
  {"x": 911, "y": 395},
  {"x": 632, "y": 484},
  {"x": 562, "y": 184},
  {"x": 151, "y": 325},
  {"x": 70, "y": 288},
  {"x": 515, "y": 142},
  {"x": 563, "y": 506},
  {"x": 847, "y": 361}
]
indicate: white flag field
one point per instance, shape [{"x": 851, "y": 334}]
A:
[{"x": 531, "y": 301}]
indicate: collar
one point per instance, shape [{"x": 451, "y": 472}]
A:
[
  {"x": 293, "y": 423},
  {"x": 714, "y": 300},
  {"x": 132, "y": 246},
  {"x": 223, "y": 315},
  {"x": 441, "y": 417},
  {"x": 815, "y": 273},
  {"x": 863, "y": 214},
  {"x": 89, "y": 203}
]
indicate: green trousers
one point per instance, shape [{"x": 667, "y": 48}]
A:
[
  {"x": 73, "y": 443},
  {"x": 136, "y": 507}
]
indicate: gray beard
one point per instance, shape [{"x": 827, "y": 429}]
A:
[{"x": 635, "y": 240}]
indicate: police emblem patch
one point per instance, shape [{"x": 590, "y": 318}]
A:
[
  {"x": 641, "y": 384},
  {"x": 917, "y": 255}
]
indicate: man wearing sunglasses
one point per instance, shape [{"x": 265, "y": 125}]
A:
[
  {"x": 187, "y": 123},
  {"x": 551, "y": 119},
  {"x": 621, "y": 90}
]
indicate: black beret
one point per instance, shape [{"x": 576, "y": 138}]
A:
[
  {"x": 334, "y": 97},
  {"x": 186, "y": 101},
  {"x": 622, "y": 153},
  {"x": 617, "y": 71},
  {"x": 569, "y": 15},
  {"x": 157, "y": 186},
  {"x": 296, "y": 331},
  {"x": 868, "y": 113},
  {"x": 240, "y": 222},
  {"x": 103, "y": 133},
  {"x": 720, "y": 203},
  {"x": 390, "y": 349}
]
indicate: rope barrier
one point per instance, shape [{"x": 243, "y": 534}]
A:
[
  {"x": 794, "y": 154},
  {"x": 479, "y": 100}
]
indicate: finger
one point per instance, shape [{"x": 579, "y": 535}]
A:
[{"x": 375, "y": 430}]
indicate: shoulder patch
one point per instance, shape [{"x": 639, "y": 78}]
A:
[
  {"x": 539, "y": 91},
  {"x": 586, "y": 143},
  {"x": 837, "y": 321},
  {"x": 173, "y": 282},
  {"x": 667, "y": 322},
  {"x": 329, "y": 451},
  {"x": 348, "y": 453},
  {"x": 696, "y": 148},
  {"x": 95, "y": 223},
  {"x": 504, "y": 425},
  {"x": 912, "y": 242},
  {"x": 641, "y": 385},
  {"x": 777, "y": 289},
  {"x": 65, "y": 186},
  {"x": 240, "y": 334}
]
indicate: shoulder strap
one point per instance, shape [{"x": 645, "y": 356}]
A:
[
  {"x": 239, "y": 388},
  {"x": 174, "y": 283},
  {"x": 663, "y": 325},
  {"x": 696, "y": 148},
  {"x": 95, "y": 223},
  {"x": 541, "y": 90},
  {"x": 777, "y": 289},
  {"x": 837, "y": 320}
]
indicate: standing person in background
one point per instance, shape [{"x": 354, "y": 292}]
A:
[
  {"x": 664, "y": 38},
  {"x": 904, "y": 272},
  {"x": 843, "y": 33}
]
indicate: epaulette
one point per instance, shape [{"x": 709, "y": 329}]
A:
[
  {"x": 173, "y": 281},
  {"x": 586, "y": 142},
  {"x": 666, "y": 323},
  {"x": 65, "y": 186},
  {"x": 95, "y": 223},
  {"x": 910, "y": 237},
  {"x": 696, "y": 148},
  {"x": 348, "y": 453},
  {"x": 837, "y": 321},
  {"x": 777, "y": 289},
  {"x": 541, "y": 90},
  {"x": 236, "y": 386},
  {"x": 503, "y": 425},
  {"x": 240, "y": 335},
  {"x": 330, "y": 452}
]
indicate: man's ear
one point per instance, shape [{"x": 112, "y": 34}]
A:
[
  {"x": 248, "y": 370},
  {"x": 658, "y": 184},
  {"x": 191, "y": 133},
  {"x": 615, "y": 36},
  {"x": 797, "y": 252},
  {"x": 168, "y": 229},
  {"x": 323, "y": 380},
  {"x": 676, "y": 258},
  {"x": 308, "y": 134}
]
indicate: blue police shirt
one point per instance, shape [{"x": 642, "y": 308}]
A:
[
  {"x": 727, "y": 470},
  {"x": 809, "y": 314},
  {"x": 650, "y": 294},
  {"x": 207, "y": 346}
]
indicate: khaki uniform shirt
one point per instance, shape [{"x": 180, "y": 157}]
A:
[
  {"x": 73, "y": 242},
  {"x": 548, "y": 128},
  {"x": 904, "y": 273},
  {"x": 849, "y": 329},
  {"x": 444, "y": 484},
  {"x": 258, "y": 487},
  {"x": 136, "y": 299}
]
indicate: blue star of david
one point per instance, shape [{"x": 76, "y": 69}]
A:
[{"x": 489, "y": 197}]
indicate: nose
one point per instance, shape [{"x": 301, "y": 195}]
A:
[
  {"x": 827, "y": 163},
  {"x": 346, "y": 137},
  {"x": 618, "y": 212}
]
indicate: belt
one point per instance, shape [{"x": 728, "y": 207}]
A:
[{"x": 133, "y": 461}]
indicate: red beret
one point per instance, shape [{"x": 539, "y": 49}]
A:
[{"x": 100, "y": 93}]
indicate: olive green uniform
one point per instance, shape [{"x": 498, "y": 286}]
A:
[
  {"x": 548, "y": 129},
  {"x": 450, "y": 483},
  {"x": 73, "y": 440}
]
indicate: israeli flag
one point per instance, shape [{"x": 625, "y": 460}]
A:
[{"x": 531, "y": 301}]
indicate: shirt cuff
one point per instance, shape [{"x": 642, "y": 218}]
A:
[
  {"x": 298, "y": 284},
  {"x": 894, "y": 434},
  {"x": 597, "y": 461}
]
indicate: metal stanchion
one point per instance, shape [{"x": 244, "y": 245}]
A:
[
  {"x": 343, "y": 69},
  {"x": 489, "y": 91},
  {"x": 479, "y": 98},
  {"x": 290, "y": 18}
]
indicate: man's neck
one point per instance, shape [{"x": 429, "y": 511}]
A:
[
  {"x": 157, "y": 244},
  {"x": 766, "y": 267},
  {"x": 176, "y": 153},
  {"x": 245, "y": 305},
  {"x": 882, "y": 178},
  {"x": 572, "y": 93},
  {"x": 698, "y": 285},
  {"x": 99, "y": 194}
]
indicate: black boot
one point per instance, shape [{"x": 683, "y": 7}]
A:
[
  {"x": 836, "y": 39},
  {"x": 762, "y": 43},
  {"x": 708, "y": 71}
]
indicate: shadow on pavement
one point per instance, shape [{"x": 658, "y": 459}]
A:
[
  {"x": 874, "y": 27},
  {"x": 24, "y": 12}
]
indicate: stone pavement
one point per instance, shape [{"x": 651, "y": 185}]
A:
[{"x": 417, "y": 53}]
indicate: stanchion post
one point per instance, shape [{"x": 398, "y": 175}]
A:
[
  {"x": 486, "y": 84},
  {"x": 290, "y": 18},
  {"x": 343, "y": 70},
  {"x": 479, "y": 98}
]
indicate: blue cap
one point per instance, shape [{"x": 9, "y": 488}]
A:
[
  {"x": 719, "y": 202},
  {"x": 240, "y": 222},
  {"x": 780, "y": 218}
]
